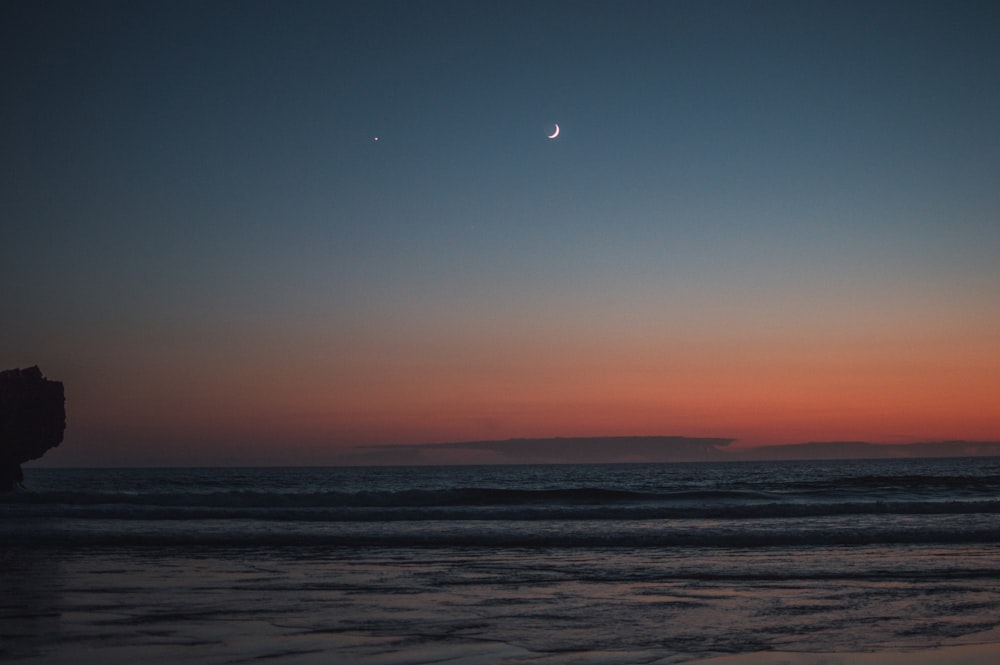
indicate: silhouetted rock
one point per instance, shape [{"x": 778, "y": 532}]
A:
[{"x": 32, "y": 420}]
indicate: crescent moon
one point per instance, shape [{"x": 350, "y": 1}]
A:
[{"x": 555, "y": 133}]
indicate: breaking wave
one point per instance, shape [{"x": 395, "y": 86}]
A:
[{"x": 471, "y": 504}]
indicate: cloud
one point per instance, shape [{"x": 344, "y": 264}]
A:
[
  {"x": 647, "y": 449},
  {"x": 587, "y": 450}
]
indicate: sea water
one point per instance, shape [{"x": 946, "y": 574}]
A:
[{"x": 662, "y": 563}]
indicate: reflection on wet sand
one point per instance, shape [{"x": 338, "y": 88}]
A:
[
  {"x": 215, "y": 606},
  {"x": 30, "y": 614}
]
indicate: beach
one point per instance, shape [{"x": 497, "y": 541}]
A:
[
  {"x": 216, "y": 607},
  {"x": 540, "y": 576}
]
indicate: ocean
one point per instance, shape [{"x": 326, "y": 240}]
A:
[{"x": 871, "y": 561}]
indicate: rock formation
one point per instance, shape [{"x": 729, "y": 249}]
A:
[{"x": 32, "y": 420}]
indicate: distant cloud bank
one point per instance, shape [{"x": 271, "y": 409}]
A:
[{"x": 648, "y": 449}]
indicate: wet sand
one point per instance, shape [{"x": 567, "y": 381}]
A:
[
  {"x": 509, "y": 655},
  {"x": 216, "y": 608},
  {"x": 971, "y": 654}
]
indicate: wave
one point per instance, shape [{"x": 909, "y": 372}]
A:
[
  {"x": 917, "y": 483},
  {"x": 497, "y": 535},
  {"x": 466, "y": 504},
  {"x": 467, "y": 496},
  {"x": 704, "y": 506}
]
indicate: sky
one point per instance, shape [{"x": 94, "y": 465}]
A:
[{"x": 262, "y": 232}]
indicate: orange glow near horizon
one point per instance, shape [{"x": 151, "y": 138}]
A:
[
  {"x": 749, "y": 394},
  {"x": 459, "y": 380}
]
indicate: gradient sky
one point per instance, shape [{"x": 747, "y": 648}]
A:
[{"x": 768, "y": 221}]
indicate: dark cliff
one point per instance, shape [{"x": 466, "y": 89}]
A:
[{"x": 32, "y": 420}]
